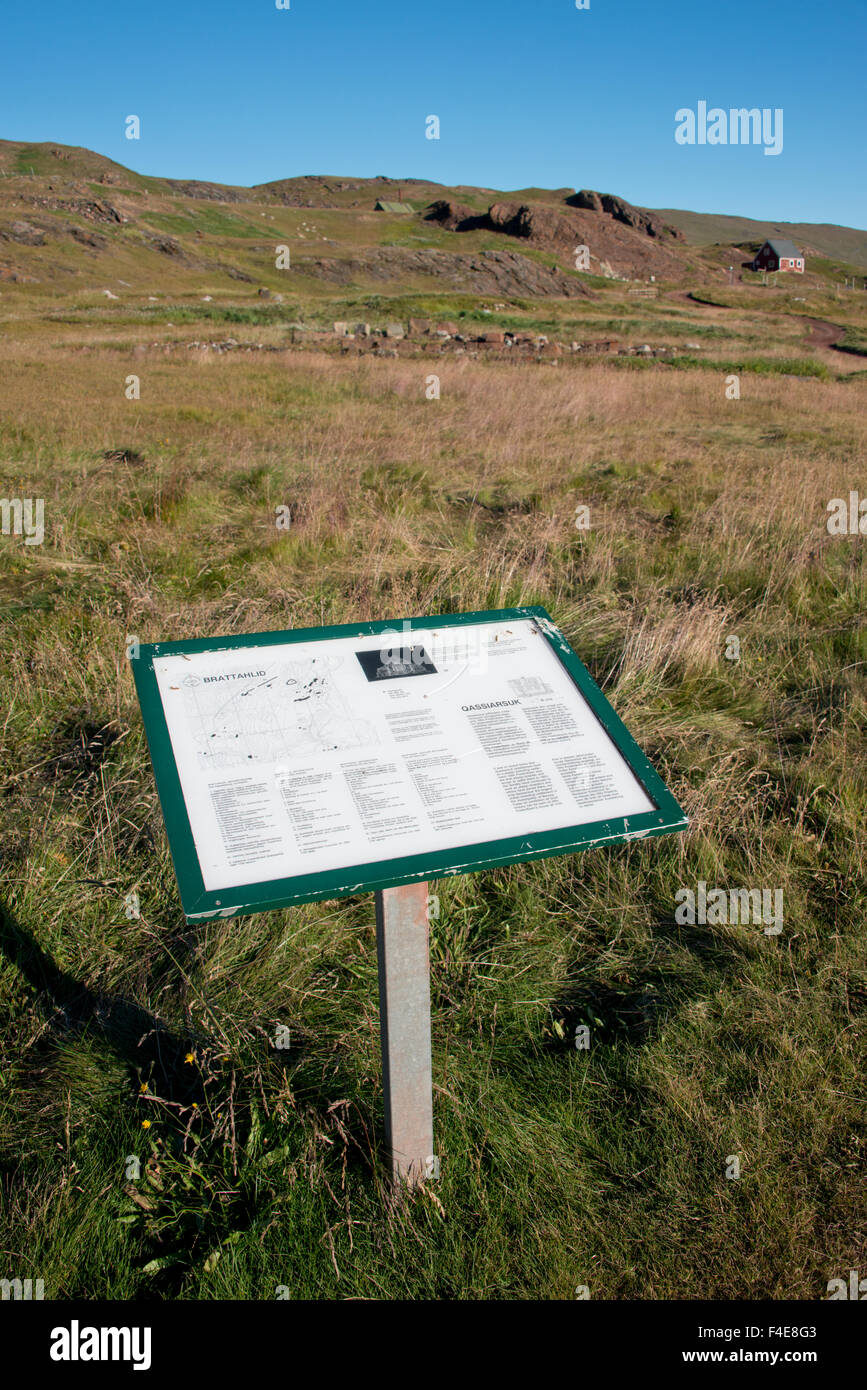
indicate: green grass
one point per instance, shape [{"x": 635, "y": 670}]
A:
[
  {"x": 854, "y": 340},
  {"x": 211, "y": 220},
  {"x": 762, "y": 366},
  {"x": 261, "y": 1165},
  {"x": 125, "y": 314}
]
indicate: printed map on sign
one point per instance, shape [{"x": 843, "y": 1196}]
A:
[{"x": 281, "y": 712}]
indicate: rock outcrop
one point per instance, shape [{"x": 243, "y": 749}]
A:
[
  {"x": 454, "y": 217},
  {"x": 624, "y": 212},
  {"x": 25, "y": 234},
  {"x": 622, "y": 239}
]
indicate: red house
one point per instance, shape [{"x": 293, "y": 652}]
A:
[{"x": 779, "y": 255}]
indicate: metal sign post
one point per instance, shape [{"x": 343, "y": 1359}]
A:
[{"x": 404, "y": 1024}]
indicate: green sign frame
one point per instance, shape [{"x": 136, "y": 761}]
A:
[{"x": 200, "y": 904}]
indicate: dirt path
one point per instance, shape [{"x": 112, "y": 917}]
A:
[
  {"x": 825, "y": 336},
  {"x": 821, "y": 333}
]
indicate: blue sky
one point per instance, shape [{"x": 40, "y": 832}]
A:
[{"x": 536, "y": 93}]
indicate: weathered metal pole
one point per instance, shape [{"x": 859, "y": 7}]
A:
[{"x": 404, "y": 1023}]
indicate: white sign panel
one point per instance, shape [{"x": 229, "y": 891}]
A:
[{"x": 320, "y": 755}]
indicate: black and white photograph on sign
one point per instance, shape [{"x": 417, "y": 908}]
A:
[
  {"x": 433, "y": 706},
  {"x": 387, "y": 664}
]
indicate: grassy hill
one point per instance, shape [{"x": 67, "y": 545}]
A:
[
  {"x": 843, "y": 244},
  {"x": 77, "y": 224},
  {"x": 156, "y": 1140}
]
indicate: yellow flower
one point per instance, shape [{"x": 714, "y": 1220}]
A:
[
  {"x": 195, "y": 1105},
  {"x": 145, "y": 1124},
  {"x": 142, "y": 1088},
  {"x": 190, "y": 1057}
]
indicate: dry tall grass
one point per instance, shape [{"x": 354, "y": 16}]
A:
[{"x": 707, "y": 521}]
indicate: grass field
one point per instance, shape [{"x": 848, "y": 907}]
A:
[{"x": 154, "y": 1142}]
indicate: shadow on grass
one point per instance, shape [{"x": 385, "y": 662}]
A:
[
  {"x": 231, "y": 1188},
  {"x": 633, "y": 1011},
  {"x": 137, "y": 1037}
]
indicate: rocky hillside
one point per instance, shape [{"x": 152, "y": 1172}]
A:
[
  {"x": 620, "y": 239},
  {"x": 69, "y": 216}
]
